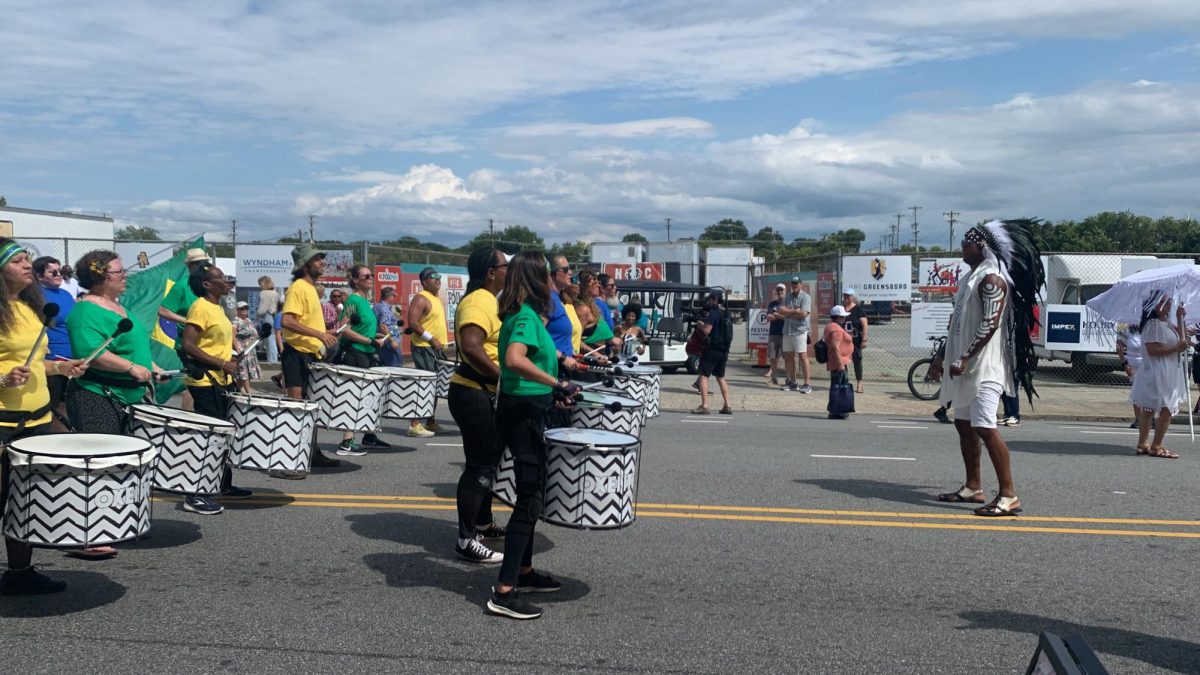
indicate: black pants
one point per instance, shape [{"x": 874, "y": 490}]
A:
[
  {"x": 520, "y": 422},
  {"x": 856, "y": 359},
  {"x": 473, "y": 412},
  {"x": 294, "y": 364},
  {"x": 214, "y": 402},
  {"x": 20, "y": 554},
  {"x": 92, "y": 413}
]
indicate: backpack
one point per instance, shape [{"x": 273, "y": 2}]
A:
[
  {"x": 821, "y": 351},
  {"x": 726, "y": 330}
]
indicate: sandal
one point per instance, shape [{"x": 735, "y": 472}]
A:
[
  {"x": 858, "y": 389},
  {"x": 1162, "y": 452},
  {"x": 1143, "y": 449},
  {"x": 700, "y": 411},
  {"x": 726, "y": 410},
  {"x": 1000, "y": 506},
  {"x": 94, "y": 553},
  {"x": 963, "y": 494}
]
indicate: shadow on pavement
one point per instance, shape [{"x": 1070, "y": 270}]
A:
[
  {"x": 444, "y": 490},
  {"x": 165, "y": 533},
  {"x": 344, "y": 467},
  {"x": 263, "y": 498},
  {"x": 1166, "y": 653},
  {"x": 1073, "y": 448},
  {"x": 473, "y": 582},
  {"x": 85, "y": 590},
  {"x": 434, "y": 535},
  {"x": 917, "y": 495}
]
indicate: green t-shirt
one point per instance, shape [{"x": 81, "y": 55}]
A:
[
  {"x": 363, "y": 322},
  {"x": 526, "y": 327},
  {"x": 89, "y": 325},
  {"x": 180, "y": 300},
  {"x": 599, "y": 333}
]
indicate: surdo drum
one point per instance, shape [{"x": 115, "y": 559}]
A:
[
  {"x": 411, "y": 393},
  {"x": 77, "y": 490},
  {"x": 272, "y": 432},
  {"x": 591, "y": 479},
  {"x": 445, "y": 369},
  {"x": 644, "y": 385},
  {"x": 608, "y": 410},
  {"x": 192, "y": 448},
  {"x": 348, "y": 398}
]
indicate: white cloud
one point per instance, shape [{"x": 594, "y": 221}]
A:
[
  {"x": 666, "y": 127},
  {"x": 424, "y": 185},
  {"x": 184, "y": 210}
]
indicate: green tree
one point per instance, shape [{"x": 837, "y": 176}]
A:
[
  {"x": 136, "y": 233},
  {"x": 768, "y": 243},
  {"x": 512, "y": 239},
  {"x": 574, "y": 252},
  {"x": 726, "y": 229},
  {"x": 634, "y": 237}
]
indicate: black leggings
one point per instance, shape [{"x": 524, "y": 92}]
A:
[
  {"x": 20, "y": 554},
  {"x": 214, "y": 402},
  {"x": 521, "y": 421},
  {"x": 92, "y": 413},
  {"x": 856, "y": 359},
  {"x": 473, "y": 413}
]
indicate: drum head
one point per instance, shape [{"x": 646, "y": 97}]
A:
[
  {"x": 589, "y": 437},
  {"x": 81, "y": 450},
  {"x": 156, "y": 414},
  {"x": 410, "y": 373},
  {"x": 350, "y": 371},
  {"x": 597, "y": 399},
  {"x": 275, "y": 402},
  {"x": 642, "y": 370}
]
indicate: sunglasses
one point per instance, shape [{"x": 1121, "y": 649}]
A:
[
  {"x": 54, "y": 273},
  {"x": 364, "y": 276},
  {"x": 566, "y": 270},
  {"x": 496, "y": 267}
]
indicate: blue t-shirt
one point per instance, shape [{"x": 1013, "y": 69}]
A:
[
  {"x": 58, "y": 342},
  {"x": 560, "y": 325},
  {"x": 606, "y": 312}
]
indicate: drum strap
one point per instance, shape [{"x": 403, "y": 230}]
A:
[
  {"x": 22, "y": 416},
  {"x": 465, "y": 370},
  {"x": 104, "y": 380}
]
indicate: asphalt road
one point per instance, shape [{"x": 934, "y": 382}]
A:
[{"x": 751, "y": 553}]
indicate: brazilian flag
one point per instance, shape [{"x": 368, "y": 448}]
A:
[{"x": 143, "y": 295}]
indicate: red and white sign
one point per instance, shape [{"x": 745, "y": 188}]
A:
[
  {"x": 645, "y": 271},
  {"x": 386, "y": 276}
]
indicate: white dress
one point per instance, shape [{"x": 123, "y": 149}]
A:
[{"x": 1160, "y": 381}]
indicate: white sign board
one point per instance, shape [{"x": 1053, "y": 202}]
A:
[
  {"x": 256, "y": 260},
  {"x": 1076, "y": 328},
  {"x": 929, "y": 319},
  {"x": 878, "y": 277},
  {"x": 940, "y": 275},
  {"x": 139, "y": 256},
  {"x": 37, "y": 248},
  {"x": 760, "y": 328}
]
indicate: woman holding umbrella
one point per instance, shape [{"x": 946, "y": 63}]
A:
[{"x": 1160, "y": 383}]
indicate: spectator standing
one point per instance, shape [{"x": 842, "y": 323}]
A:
[
  {"x": 269, "y": 302},
  {"x": 775, "y": 333},
  {"x": 390, "y": 354},
  {"x": 70, "y": 283},
  {"x": 797, "y": 305},
  {"x": 244, "y": 334},
  {"x": 841, "y": 350},
  {"x": 47, "y": 271},
  {"x": 856, "y": 326},
  {"x": 716, "y": 352}
]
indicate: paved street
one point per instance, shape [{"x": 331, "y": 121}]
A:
[{"x": 765, "y": 543}]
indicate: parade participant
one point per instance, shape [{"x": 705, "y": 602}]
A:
[
  {"x": 304, "y": 335},
  {"x": 775, "y": 333},
  {"x": 631, "y": 332},
  {"x": 48, "y": 272},
  {"x": 269, "y": 303},
  {"x": 569, "y": 296},
  {"x": 797, "y": 305},
  {"x": 245, "y": 334},
  {"x": 175, "y": 306},
  {"x": 427, "y": 321},
  {"x": 988, "y": 342},
  {"x": 25, "y": 407},
  {"x": 528, "y": 386},
  {"x": 390, "y": 354},
  {"x": 472, "y": 403},
  {"x": 841, "y": 350},
  {"x": 360, "y": 342},
  {"x": 589, "y": 292},
  {"x": 208, "y": 346},
  {"x": 560, "y": 324},
  {"x": 716, "y": 352},
  {"x": 1161, "y": 382},
  {"x": 1129, "y": 349},
  {"x": 596, "y": 333},
  {"x": 607, "y": 289},
  {"x": 856, "y": 325}
]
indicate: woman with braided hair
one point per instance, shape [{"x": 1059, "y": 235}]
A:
[{"x": 990, "y": 351}]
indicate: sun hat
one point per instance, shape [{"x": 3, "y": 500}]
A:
[{"x": 302, "y": 253}]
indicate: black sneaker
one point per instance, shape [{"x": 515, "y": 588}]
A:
[
  {"x": 476, "y": 552},
  {"x": 512, "y": 605},
  {"x": 373, "y": 441},
  {"x": 492, "y": 530},
  {"x": 941, "y": 416},
  {"x": 320, "y": 461},
  {"x": 28, "y": 581},
  {"x": 536, "y": 582},
  {"x": 201, "y": 505},
  {"x": 349, "y": 448},
  {"x": 233, "y": 492}
]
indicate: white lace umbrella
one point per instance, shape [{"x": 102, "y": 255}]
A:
[{"x": 1123, "y": 303}]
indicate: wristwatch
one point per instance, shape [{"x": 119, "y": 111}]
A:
[{"x": 958, "y": 363}]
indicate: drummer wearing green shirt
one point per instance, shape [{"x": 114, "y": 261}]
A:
[
  {"x": 360, "y": 342},
  {"x": 529, "y": 386}
]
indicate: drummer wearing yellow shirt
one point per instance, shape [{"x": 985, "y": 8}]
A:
[
  {"x": 304, "y": 334},
  {"x": 472, "y": 399},
  {"x": 208, "y": 344},
  {"x": 427, "y": 323}
]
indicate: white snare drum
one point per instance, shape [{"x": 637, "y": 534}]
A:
[
  {"x": 77, "y": 490},
  {"x": 192, "y": 448},
  {"x": 411, "y": 393},
  {"x": 349, "y": 398},
  {"x": 591, "y": 479},
  {"x": 608, "y": 410},
  {"x": 445, "y": 369},
  {"x": 272, "y": 432},
  {"x": 650, "y": 374}
]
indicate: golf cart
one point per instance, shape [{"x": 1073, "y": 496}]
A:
[{"x": 671, "y": 309}]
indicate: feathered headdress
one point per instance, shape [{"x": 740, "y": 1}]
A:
[{"x": 1014, "y": 246}]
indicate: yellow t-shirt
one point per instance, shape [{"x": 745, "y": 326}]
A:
[
  {"x": 14, "y": 348},
  {"x": 576, "y": 328},
  {"x": 216, "y": 338},
  {"x": 434, "y": 322},
  {"x": 303, "y": 302},
  {"x": 481, "y": 309}
]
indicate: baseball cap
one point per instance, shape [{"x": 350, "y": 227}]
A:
[
  {"x": 795, "y": 280},
  {"x": 780, "y": 287},
  {"x": 242, "y": 304},
  {"x": 838, "y": 310},
  {"x": 848, "y": 291},
  {"x": 429, "y": 273}
]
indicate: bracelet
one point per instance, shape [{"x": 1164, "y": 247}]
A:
[
  {"x": 427, "y": 336},
  {"x": 4, "y": 381},
  {"x": 129, "y": 370}
]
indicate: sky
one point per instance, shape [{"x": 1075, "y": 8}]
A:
[{"x": 590, "y": 120}]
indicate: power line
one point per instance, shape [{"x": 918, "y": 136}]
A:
[
  {"x": 950, "y": 217},
  {"x": 668, "y": 230},
  {"x": 312, "y": 228},
  {"x": 896, "y": 232},
  {"x": 914, "y": 209}
]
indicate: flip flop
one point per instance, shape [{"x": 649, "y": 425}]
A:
[
  {"x": 1000, "y": 506},
  {"x": 964, "y": 495},
  {"x": 1163, "y": 453},
  {"x": 94, "y": 553}
]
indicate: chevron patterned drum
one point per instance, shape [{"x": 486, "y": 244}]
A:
[
  {"x": 444, "y": 370},
  {"x": 653, "y": 374},
  {"x": 608, "y": 410},
  {"x": 76, "y": 490},
  {"x": 411, "y": 393},
  {"x": 635, "y": 388},
  {"x": 591, "y": 479},
  {"x": 349, "y": 399},
  {"x": 192, "y": 448},
  {"x": 272, "y": 432}
]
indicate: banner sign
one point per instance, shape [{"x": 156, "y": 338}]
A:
[
  {"x": 643, "y": 271},
  {"x": 929, "y": 320},
  {"x": 405, "y": 278},
  {"x": 940, "y": 275},
  {"x": 882, "y": 277},
  {"x": 827, "y": 293},
  {"x": 760, "y": 328},
  {"x": 386, "y": 276},
  {"x": 257, "y": 260},
  {"x": 337, "y": 268},
  {"x": 1077, "y": 328}
]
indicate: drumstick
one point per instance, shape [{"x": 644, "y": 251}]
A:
[
  {"x": 249, "y": 348},
  {"x": 123, "y": 326},
  {"x": 49, "y": 311}
]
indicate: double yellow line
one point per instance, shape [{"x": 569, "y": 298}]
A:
[{"x": 1123, "y": 527}]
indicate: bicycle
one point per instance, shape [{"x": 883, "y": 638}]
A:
[{"x": 919, "y": 382}]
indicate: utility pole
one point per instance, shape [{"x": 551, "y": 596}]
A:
[
  {"x": 492, "y": 230},
  {"x": 896, "y": 232},
  {"x": 950, "y": 216},
  {"x": 234, "y": 232},
  {"x": 914, "y": 209},
  {"x": 312, "y": 228},
  {"x": 668, "y": 230}
]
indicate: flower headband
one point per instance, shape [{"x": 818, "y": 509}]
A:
[{"x": 9, "y": 251}]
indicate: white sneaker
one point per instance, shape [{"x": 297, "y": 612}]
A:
[
  {"x": 419, "y": 431},
  {"x": 1012, "y": 421}
]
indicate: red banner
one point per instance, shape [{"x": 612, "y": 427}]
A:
[
  {"x": 827, "y": 293},
  {"x": 386, "y": 276},
  {"x": 645, "y": 271}
]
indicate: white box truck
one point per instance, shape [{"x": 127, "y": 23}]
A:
[
  {"x": 625, "y": 252},
  {"x": 728, "y": 267},
  {"x": 65, "y": 236}
]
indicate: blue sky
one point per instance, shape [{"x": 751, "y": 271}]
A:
[{"x": 589, "y": 120}]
